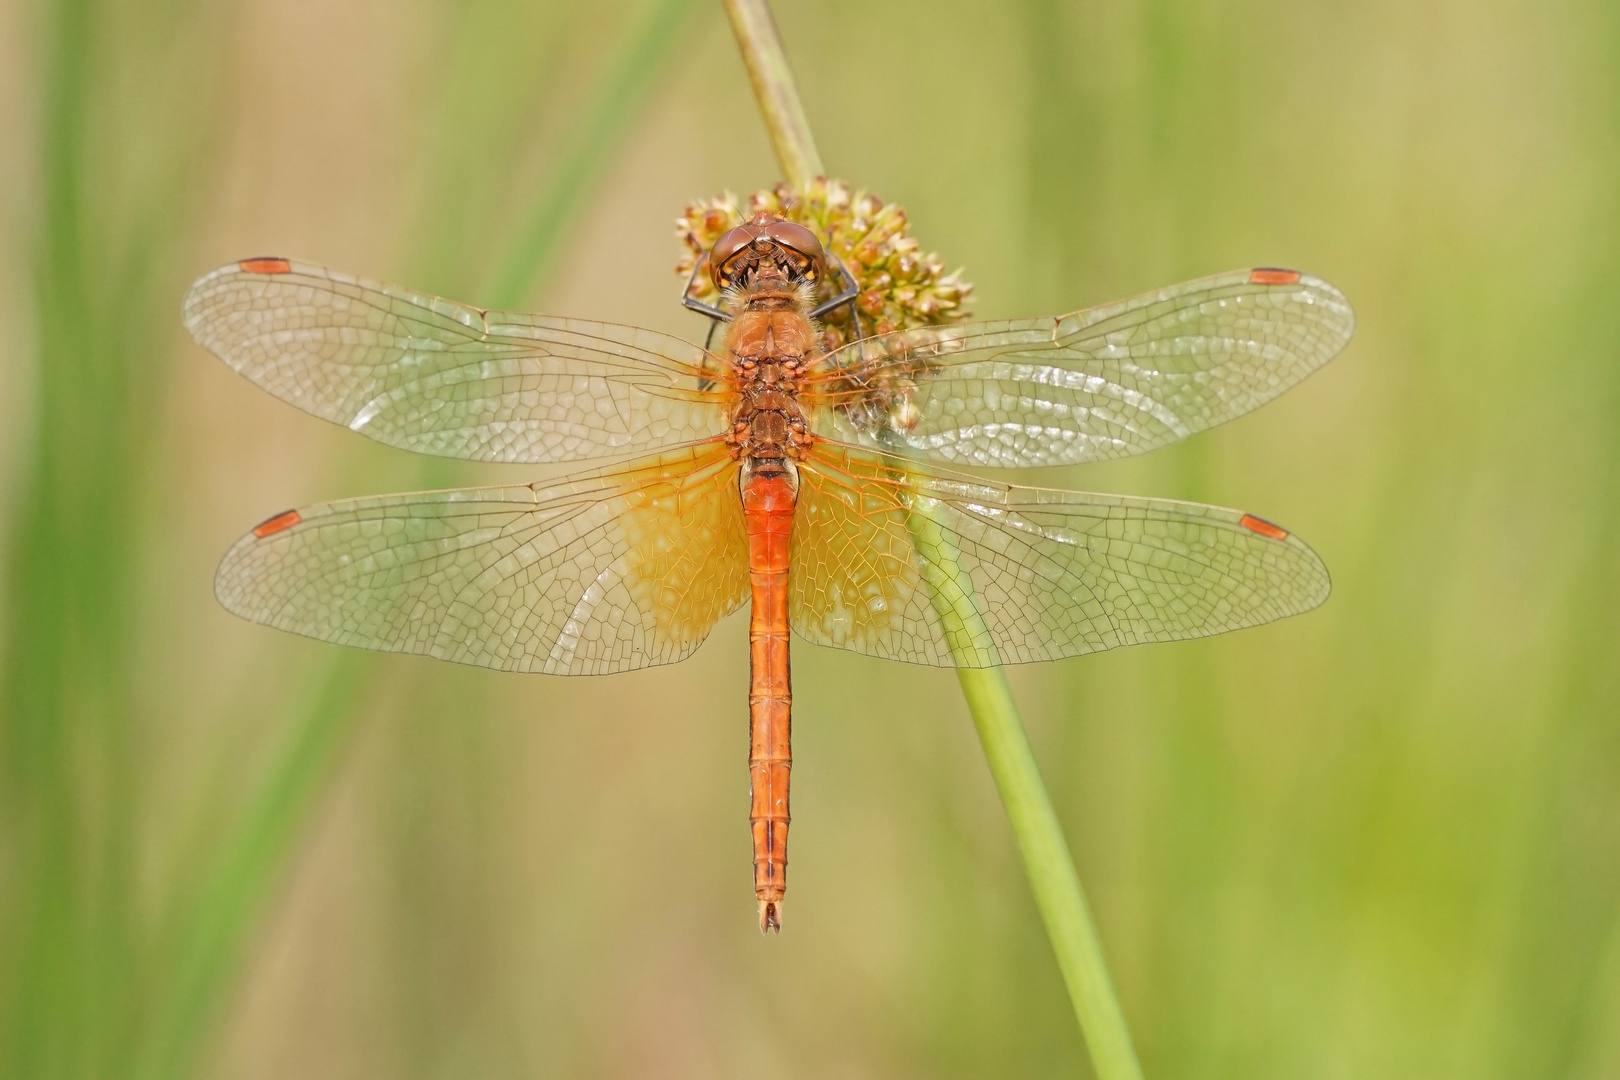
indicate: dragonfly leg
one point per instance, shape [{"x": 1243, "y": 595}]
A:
[
  {"x": 690, "y": 301},
  {"x": 851, "y": 290}
]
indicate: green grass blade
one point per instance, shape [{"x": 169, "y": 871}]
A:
[
  {"x": 635, "y": 71},
  {"x": 106, "y": 247},
  {"x": 1040, "y": 838},
  {"x": 211, "y": 943},
  {"x": 215, "y": 930}
]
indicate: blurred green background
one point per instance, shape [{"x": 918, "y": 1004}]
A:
[{"x": 1381, "y": 840}]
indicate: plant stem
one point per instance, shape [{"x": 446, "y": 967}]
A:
[
  {"x": 631, "y": 76},
  {"x": 1052, "y": 876},
  {"x": 778, "y": 98},
  {"x": 1035, "y": 824}
]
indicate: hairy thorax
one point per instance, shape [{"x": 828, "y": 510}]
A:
[{"x": 772, "y": 344}]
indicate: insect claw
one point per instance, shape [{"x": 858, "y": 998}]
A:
[{"x": 770, "y": 916}]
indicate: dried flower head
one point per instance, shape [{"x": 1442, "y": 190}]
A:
[{"x": 899, "y": 287}]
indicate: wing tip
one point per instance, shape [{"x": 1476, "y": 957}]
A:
[
  {"x": 230, "y": 565},
  {"x": 192, "y": 307},
  {"x": 1309, "y": 565},
  {"x": 225, "y": 580},
  {"x": 1337, "y": 301},
  {"x": 1316, "y": 567}
]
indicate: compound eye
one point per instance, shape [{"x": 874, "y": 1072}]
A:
[
  {"x": 725, "y": 250},
  {"x": 800, "y": 240}
]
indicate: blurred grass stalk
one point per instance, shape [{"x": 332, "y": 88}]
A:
[
  {"x": 85, "y": 987},
  {"x": 636, "y": 66},
  {"x": 1052, "y": 876},
  {"x": 77, "y": 969}
]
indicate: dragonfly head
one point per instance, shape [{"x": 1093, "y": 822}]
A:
[{"x": 766, "y": 246}]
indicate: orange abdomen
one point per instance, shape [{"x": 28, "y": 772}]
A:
[{"x": 768, "y": 511}]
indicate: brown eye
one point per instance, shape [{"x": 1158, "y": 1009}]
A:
[
  {"x": 800, "y": 240},
  {"x": 726, "y": 249},
  {"x": 763, "y": 231}
]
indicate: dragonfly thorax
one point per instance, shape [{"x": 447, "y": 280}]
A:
[{"x": 771, "y": 346}]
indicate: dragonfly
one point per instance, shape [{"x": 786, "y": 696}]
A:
[{"x": 823, "y": 488}]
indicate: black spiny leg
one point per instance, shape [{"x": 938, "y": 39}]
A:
[
  {"x": 851, "y": 290},
  {"x": 690, "y": 301},
  {"x": 714, "y": 314}
]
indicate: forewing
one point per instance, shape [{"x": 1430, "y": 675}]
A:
[
  {"x": 1107, "y": 382},
  {"x": 438, "y": 377},
  {"x": 955, "y": 571},
  {"x": 599, "y": 573}
]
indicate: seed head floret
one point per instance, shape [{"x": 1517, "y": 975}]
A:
[{"x": 900, "y": 287}]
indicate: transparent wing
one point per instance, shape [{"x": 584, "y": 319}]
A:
[
  {"x": 604, "y": 572},
  {"x": 896, "y": 562},
  {"x": 1103, "y": 383},
  {"x": 438, "y": 377}
]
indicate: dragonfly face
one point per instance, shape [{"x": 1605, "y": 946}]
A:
[
  {"x": 771, "y": 472},
  {"x": 763, "y": 244}
]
